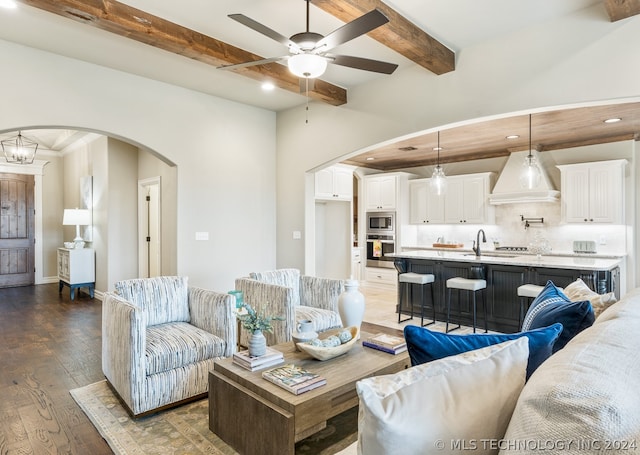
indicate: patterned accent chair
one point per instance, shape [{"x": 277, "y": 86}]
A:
[
  {"x": 286, "y": 293},
  {"x": 160, "y": 338}
]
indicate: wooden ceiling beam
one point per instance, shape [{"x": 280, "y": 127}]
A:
[
  {"x": 398, "y": 34},
  {"x": 622, "y": 9},
  {"x": 123, "y": 20}
]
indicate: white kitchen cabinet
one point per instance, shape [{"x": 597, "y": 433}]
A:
[
  {"x": 334, "y": 183},
  {"x": 380, "y": 276},
  {"x": 425, "y": 207},
  {"x": 356, "y": 264},
  {"x": 380, "y": 192},
  {"x": 466, "y": 199},
  {"x": 76, "y": 269},
  {"x": 593, "y": 192}
]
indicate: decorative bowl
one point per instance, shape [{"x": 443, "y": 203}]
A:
[
  {"x": 326, "y": 353},
  {"x": 69, "y": 245},
  {"x": 302, "y": 337}
]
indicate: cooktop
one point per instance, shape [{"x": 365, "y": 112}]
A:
[{"x": 511, "y": 248}]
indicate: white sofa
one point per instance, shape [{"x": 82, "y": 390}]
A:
[{"x": 584, "y": 399}]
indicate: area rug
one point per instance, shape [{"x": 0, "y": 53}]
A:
[{"x": 185, "y": 429}]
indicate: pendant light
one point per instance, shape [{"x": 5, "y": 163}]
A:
[
  {"x": 530, "y": 175},
  {"x": 438, "y": 179}
]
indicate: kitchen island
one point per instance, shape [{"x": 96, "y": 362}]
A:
[{"x": 504, "y": 272}]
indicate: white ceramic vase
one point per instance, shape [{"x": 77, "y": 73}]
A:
[
  {"x": 351, "y": 305},
  {"x": 257, "y": 344}
]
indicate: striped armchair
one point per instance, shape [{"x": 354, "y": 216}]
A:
[
  {"x": 160, "y": 339},
  {"x": 286, "y": 293}
]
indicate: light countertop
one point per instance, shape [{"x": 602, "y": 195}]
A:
[{"x": 575, "y": 261}]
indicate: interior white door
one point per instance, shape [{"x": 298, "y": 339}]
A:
[{"x": 149, "y": 228}]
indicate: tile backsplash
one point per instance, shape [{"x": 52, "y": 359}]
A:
[{"x": 509, "y": 230}]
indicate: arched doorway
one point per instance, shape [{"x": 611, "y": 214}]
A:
[{"x": 116, "y": 166}]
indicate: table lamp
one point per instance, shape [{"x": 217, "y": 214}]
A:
[{"x": 77, "y": 217}]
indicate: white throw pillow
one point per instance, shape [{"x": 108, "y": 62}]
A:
[
  {"x": 578, "y": 291},
  {"x": 445, "y": 406}
]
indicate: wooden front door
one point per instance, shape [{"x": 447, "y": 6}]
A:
[{"x": 16, "y": 230}]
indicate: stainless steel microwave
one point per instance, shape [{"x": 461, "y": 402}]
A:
[{"x": 381, "y": 222}]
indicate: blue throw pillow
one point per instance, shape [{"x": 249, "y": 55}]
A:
[
  {"x": 551, "y": 306},
  {"x": 424, "y": 345}
]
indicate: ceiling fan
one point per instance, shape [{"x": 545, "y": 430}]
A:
[{"x": 309, "y": 52}]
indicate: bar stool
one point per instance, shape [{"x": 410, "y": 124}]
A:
[
  {"x": 528, "y": 292},
  {"x": 471, "y": 285},
  {"x": 422, "y": 279}
]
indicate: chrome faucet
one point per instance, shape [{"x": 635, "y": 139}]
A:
[{"x": 476, "y": 243}]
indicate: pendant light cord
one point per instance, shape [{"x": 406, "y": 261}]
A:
[
  {"x": 306, "y": 120},
  {"x": 438, "y": 165},
  {"x": 530, "y": 138}
]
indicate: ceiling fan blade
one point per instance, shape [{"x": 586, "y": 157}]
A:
[
  {"x": 263, "y": 29},
  {"x": 253, "y": 63},
  {"x": 306, "y": 84},
  {"x": 364, "y": 24},
  {"x": 363, "y": 63}
]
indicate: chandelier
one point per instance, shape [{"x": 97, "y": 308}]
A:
[{"x": 19, "y": 149}]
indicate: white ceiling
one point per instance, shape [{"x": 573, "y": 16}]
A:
[{"x": 456, "y": 23}]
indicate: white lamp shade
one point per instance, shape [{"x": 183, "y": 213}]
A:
[
  {"x": 76, "y": 217},
  {"x": 307, "y": 65}
]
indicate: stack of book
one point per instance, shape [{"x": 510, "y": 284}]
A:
[
  {"x": 293, "y": 378},
  {"x": 252, "y": 363},
  {"x": 387, "y": 343}
]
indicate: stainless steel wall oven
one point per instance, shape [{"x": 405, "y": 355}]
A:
[{"x": 381, "y": 239}]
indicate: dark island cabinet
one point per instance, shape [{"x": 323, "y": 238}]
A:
[{"x": 503, "y": 303}]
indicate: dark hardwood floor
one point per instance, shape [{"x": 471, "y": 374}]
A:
[{"x": 48, "y": 346}]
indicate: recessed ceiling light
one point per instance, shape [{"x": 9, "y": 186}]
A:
[
  {"x": 512, "y": 136},
  {"x": 371, "y": 158},
  {"x": 437, "y": 149},
  {"x": 612, "y": 120},
  {"x": 268, "y": 86},
  {"x": 10, "y": 4}
]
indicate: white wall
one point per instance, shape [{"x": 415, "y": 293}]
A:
[
  {"x": 575, "y": 59},
  {"x": 121, "y": 209},
  {"x": 52, "y": 210},
  {"x": 333, "y": 239},
  {"x": 224, "y": 152}
]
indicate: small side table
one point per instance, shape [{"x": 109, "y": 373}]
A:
[
  {"x": 75, "y": 286},
  {"x": 76, "y": 269}
]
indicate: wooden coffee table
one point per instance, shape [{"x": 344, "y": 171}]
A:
[{"x": 253, "y": 415}]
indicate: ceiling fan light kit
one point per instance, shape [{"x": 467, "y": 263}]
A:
[{"x": 307, "y": 65}]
